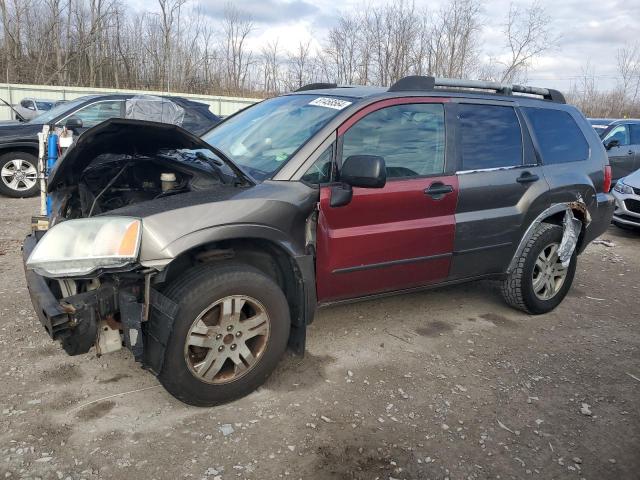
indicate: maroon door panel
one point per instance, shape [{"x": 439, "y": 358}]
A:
[{"x": 385, "y": 239}]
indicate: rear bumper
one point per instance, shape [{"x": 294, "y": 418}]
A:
[{"x": 600, "y": 218}]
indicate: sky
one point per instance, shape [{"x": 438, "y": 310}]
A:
[{"x": 590, "y": 31}]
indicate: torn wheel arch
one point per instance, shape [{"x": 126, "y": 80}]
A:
[{"x": 556, "y": 214}]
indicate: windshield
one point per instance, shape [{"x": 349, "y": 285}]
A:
[
  {"x": 58, "y": 110},
  {"x": 262, "y": 138},
  {"x": 44, "y": 105}
]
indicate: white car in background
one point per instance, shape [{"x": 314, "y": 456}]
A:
[
  {"x": 627, "y": 196},
  {"x": 29, "y": 108}
]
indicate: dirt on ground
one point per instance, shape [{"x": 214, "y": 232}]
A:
[{"x": 448, "y": 383}]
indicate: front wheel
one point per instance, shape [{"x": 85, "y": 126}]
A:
[
  {"x": 539, "y": 281},
  {"x": 230, "y": 330},
  {"x": 18, "y": 174}
]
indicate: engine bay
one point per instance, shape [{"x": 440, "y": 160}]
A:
[{"x": 113, "y": 181}]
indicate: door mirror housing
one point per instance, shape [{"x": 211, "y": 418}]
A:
[
  {"x": 365, "y": 171},
  {"x": 73, "y": 123},
  {"x": 612, "y": 143},
  {"x": 341, "y": 195}
]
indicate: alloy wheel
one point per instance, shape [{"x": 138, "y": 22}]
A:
[
  {"x": 548, "y": 273},
  {"x": 19, "y": 175},
  {"x": 227, "y": 339}
]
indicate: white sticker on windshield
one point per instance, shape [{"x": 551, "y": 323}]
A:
[{"x": 329, "y": 102}]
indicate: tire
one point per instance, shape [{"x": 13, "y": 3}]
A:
[
  {"x": 185, "y": 368},
  {"x": 518, "y": 288},
  {"x": 26, "y": 166}
]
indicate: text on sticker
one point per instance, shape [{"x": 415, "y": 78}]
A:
[{"x": 328, "y": 102}]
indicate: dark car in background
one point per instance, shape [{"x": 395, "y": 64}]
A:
[
  {"x": 19, "y": 141},
  {"x": 621, "y": 139},
  {"x": 207, "y": 256}
]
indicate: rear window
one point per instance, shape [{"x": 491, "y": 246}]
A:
[
  {"x": 559, "y": 137},
  {"x": 491, "y": 137}
]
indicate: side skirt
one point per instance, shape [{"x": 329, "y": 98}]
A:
[{"x": 410, "y": 290}]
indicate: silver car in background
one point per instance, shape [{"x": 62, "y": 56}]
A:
[
  {"x": 627, "y": 196},
  {"x": 30, "y": 108}
]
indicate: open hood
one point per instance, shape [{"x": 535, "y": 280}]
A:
[{"x": 123, "y": 136}]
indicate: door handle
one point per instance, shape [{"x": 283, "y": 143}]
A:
[
  {"x": 527, "y": 177},
  {"x": 630, "y": 152},
  {"x": 438, "y": 190}
]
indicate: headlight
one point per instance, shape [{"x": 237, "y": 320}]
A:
[
  {"x": 622, "y": 187},
  {"x": 79, "y": 247}
]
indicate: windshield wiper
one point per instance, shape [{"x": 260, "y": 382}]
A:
[
  {"x": 209, "y": 160},
  {"x": 237, "y": 169}
]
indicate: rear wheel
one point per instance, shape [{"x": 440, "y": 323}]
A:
[
  {"x": 230, "y": 331},
  {"x": 539, "y": 281},
  {"x": 18, "y": 174}
]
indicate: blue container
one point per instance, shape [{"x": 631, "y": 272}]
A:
[{"x": 52, "y": 157}]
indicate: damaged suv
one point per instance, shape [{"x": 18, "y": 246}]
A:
[{"x": 207, "y": 257}]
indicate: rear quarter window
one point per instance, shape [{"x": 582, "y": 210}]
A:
[{"x": 559, "y": 138}]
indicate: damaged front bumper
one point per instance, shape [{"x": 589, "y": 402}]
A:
[
  {"x": 627, "y": 210},
  {"x": 121, "y": 305}
]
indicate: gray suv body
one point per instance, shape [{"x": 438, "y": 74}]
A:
[{"x": 208, "y": 256}]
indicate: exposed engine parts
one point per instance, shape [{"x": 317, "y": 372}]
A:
[{"x": 114, "y": 181}]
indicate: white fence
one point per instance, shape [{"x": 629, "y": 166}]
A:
[{"x": 13, "y": 93}]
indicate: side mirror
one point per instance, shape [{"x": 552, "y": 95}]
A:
[
  {"x": 612, "y": 143},
  {"x": 366, "y": 171},
  {"x": 73, "y": 123}
]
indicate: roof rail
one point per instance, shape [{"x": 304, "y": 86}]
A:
[
  {"x": 316, "y": 86},
  {"x": 422, "y": 83}
]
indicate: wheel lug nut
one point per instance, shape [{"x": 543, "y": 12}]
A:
[
  {"x": 233, "y": 347},
  {"x": 219, "y": 336},
  {"x": 229, "y": 328},
  {"x": 221, "y": 348},
  {"x": 238, "y": 334}
]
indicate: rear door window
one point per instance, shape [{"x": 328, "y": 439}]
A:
[
  {"x": 559, "y": 138},
  {"x": 490, "y": 137},
  {"x": 634, "y": 133},
  {"x": 409, "y": 137}
]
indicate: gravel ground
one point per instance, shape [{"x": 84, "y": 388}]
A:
[{"x": 448, "y": 383}]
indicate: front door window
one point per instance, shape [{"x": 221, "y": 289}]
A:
[
  {"x": 96, "y": 113},
  {"x": 409, "y": 137}
]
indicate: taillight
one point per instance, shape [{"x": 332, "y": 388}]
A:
[{"x": 606, "y": 185}]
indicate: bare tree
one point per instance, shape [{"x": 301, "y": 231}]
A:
[
  {"x": 299, "y": 65},
  {"x": 271, "y": 67},
  {"x": 528, "y": 35},
  {"x": 236, "y": 28},
  {"x": 628, "y": 63},
  {"x": 169, "y": 18}
]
